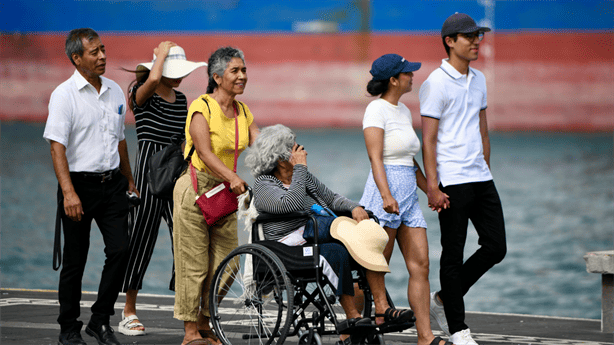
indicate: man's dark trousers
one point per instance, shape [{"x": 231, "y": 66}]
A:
[
  {"x": 105, "y": 202},
  {"x": 480, "y": 203}
]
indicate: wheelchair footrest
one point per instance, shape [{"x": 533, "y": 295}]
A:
[
  {"x": 395, "y": 327},
  {"x": 354, "y": 326}
]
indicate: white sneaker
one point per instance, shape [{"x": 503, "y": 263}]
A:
[
  {"x": 438, "y": 314},
  {"x": 462, "y": 338}
]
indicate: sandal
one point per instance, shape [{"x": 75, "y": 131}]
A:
[
  {"x": 438, "y": 339},
  {"x": 199, "y": 342},
  {"x": 208, "y": 334},
  {"x": 392, "y": 315},
  {"x": 127, "y": 325}
]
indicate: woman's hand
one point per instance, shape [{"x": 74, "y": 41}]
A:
[
  {"x": 390, "y": 204},
  {"x": 237, "y": 185},
  {"x": 162, "y": 49},
  {"x": 359, "y": 214},
  {"x": 299, "y": 155}
]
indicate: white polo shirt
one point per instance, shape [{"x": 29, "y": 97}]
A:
[
  {"x": 401, "y": 143},
  {"x": 90, "y": 125},
  {"x": 456, "y": 100}
]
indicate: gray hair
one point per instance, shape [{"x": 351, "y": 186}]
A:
[
  {"x": 273, "y": 144},
  {"x": 218, "y": 62},
  {"x": 74, "y": 43}
]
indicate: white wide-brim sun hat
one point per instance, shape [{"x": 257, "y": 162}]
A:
[
  {"x": 176, "y": 65},
  {"x": 365, "y": 241}
]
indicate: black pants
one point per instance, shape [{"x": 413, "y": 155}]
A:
[
  {"x": 107, "y": 204},
  {"x": 480, "y": 203}
]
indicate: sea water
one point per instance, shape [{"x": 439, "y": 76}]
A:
[{"x": 556, "y": 190}]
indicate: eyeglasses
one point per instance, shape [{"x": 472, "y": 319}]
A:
[{"x": 472, "y": 35}]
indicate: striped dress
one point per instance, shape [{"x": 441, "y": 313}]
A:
[{"x": 156, "y": 122}]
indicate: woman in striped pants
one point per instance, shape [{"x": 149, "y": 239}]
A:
[{"x": 160, "y": 112}]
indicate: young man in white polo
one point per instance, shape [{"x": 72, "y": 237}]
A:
[{"x": 456, "y": 153}]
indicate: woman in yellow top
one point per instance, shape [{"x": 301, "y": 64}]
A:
[{"x": 198, "y": 247}]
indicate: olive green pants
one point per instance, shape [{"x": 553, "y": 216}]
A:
[{"x": 199, "y": 248}]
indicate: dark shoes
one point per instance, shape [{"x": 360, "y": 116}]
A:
[
  {"x": 71, "y": 338},
  {"x": 104, "y": 335}
]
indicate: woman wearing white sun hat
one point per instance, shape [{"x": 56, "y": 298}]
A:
[{"x": 160, "y": 112}]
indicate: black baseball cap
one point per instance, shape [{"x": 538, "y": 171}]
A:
[{"x": 460, "y": 23}]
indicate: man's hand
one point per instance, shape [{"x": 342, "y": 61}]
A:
[
  {"x": 132, "y": 189},
  {"x": 73, "y": 207},
  {"x": 438, "y": 200}
]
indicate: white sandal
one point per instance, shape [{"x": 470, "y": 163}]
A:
[{"x": 126, "y": 327}]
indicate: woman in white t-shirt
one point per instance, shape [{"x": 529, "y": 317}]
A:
[{"x": 391, "y": 188}]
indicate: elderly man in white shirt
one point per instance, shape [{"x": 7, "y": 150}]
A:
[
  {"x": 85, "y": 128},
  {"x": 456, "y": 153}
]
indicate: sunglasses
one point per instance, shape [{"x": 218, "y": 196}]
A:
[{"x": 472, "y": 35}]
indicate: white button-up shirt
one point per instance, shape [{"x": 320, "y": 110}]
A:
[
  {"x": 456, "y": 100},
  {"x": 89, "y": 124}
]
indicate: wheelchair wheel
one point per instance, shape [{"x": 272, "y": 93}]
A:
[{"x": 251, "y": 305}]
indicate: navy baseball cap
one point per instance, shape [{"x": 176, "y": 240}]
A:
[
  {"x": 389, "y": 65},
  {"x": 460, "y": 23}
]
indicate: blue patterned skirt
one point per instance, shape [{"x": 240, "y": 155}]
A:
[{"x": 402, "y": 184}]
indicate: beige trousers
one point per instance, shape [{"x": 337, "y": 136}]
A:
[{"x": 199, "y": 248}]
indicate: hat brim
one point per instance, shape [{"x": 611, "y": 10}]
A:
[
  {"x": 474, "y": 29},
  {"x": 173, "y": 69},
  {"x": 365, "y": 241},
  {"x": 411, "y": 67}
]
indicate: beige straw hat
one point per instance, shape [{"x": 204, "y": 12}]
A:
[
  {"x": 365, "y": 241},
  {"x": 176, "y": 65}
]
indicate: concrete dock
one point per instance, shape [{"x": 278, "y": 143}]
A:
[{"x": 29, "y": 317}]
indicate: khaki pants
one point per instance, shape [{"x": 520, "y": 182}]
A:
[{"x": 199, "y": 248}]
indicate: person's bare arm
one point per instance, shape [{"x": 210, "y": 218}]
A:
[
  {"x": 124, "y": 166},
  {"x": 485, "y": 137},
  {"x": 199, "y": 130},
  {"x": 437, "y": 200},
  {"x": 254, "y": 132},
  {"x": 374, "y": 140},
  {"x": 155, "y": 75},
  {"x": 72, "y": 203}
]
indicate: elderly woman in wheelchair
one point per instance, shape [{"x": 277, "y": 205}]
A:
[{"x": 283, "y": 185}]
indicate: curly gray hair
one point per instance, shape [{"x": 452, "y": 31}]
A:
[{"x": 273, "y": 144}]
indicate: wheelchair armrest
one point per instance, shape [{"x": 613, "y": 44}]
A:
[
  {"x": 349, "y": 215},
  {"x": 271, "y": 217}
]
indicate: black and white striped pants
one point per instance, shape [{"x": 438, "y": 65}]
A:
[{"x": 145, "y": 222}]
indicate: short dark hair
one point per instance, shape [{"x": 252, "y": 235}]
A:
[
  {"x": 74, "y": 43},
  {"x": 445, "y": 45},
  {"x": 379, "y": 87}
]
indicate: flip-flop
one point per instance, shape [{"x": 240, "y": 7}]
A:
[
  {"x": 208, "y": 333},
  {"x": 199, "y": 342},
  {"x": 438, "y": 339}
]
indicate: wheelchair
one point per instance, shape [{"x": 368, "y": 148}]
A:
[{"x": 265, "y": 292}]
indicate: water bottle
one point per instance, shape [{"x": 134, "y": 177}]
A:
[{"x": 317, "y": 209}]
